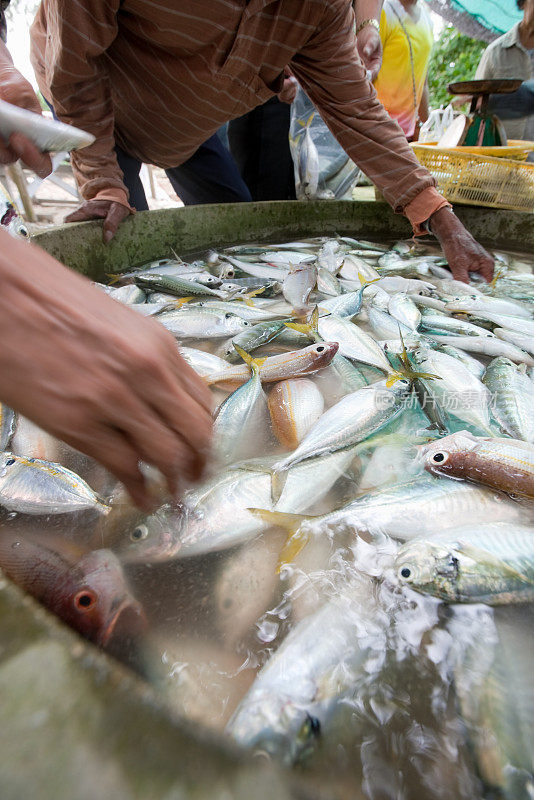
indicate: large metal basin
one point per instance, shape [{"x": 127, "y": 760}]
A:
[{"x": 73, "y": 723}]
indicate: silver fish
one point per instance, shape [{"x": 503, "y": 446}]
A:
[
  {"x": 487, "y": 346},
  {"x": 512, "y": 404},
  {"x": 199, "y": 323},
  {"x": 353, "y": 342},
  {"x": 34, "y": 486},
  {"x": 240, "y": 421},
  {"x": 491, "y": 563},
  {"x": 403, "y": 309},
  {"x": 298, "y": 286},
  {"x": 204, "y": 364}
]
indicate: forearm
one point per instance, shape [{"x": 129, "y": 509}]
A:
[
  {"x": 367, "y": 9},
  {"x": 68, "y": 44},
  {"x": 6, "y": 62}
]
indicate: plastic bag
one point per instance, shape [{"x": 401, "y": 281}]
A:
[
  {"x": 437, "y": 123},
  {"x": 322, "y": 168}
]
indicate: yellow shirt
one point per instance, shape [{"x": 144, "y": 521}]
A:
[{"x": 394, "y": 83}]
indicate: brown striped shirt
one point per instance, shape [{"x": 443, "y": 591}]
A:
[{"x": 160, "y": 76}]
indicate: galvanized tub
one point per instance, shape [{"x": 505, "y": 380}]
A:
[{"x": 74, "y": 723}]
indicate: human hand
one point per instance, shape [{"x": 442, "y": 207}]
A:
[
  {"x": 289, "y": 90},
  {"x": 96, "y": 374},
  {"x": 463, "y": 253},
  {"x": 15, "y": 89},
  {"x": 370, "y": 49},
  {"x": 112, "y": 213}
]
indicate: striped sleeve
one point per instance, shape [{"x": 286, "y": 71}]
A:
[
  {"x": 81, "y": 92},
  {"x": 332, "y": 74}
]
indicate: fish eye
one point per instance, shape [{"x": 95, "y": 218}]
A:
[
  {"x": 139, "y": 533},
  {"x": 320, "y": 349},
  {"x": 84, "y": 600},
  {"x": 246, "y": 323},
  {"x": 439, "y": 458},
  {"x": 405, "y": 572},
  {"x": 229, "y": 315},
  {"x": 10, "y": 461}
]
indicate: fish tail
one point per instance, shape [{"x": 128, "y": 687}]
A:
[
  {"x": 254, "y": 364},
  {"x": 309, "y": 328},
  {"x": 296, "y": 540}
]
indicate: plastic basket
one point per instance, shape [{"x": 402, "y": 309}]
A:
[
  {"x": 479, "y": 180},
  {"x": 516, "y": 149}
]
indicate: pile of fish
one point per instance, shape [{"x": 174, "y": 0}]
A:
[{"x": 362, "y": 398}]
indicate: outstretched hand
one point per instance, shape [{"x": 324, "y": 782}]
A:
[
  {"x": 461, "y": 250},
  {"x": 98, "y": 375},
  {"x": 15, "y": 89},
  {"x": 112, "y": 213}
]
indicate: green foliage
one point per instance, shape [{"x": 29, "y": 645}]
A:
[{"x": 455, "y": 57}]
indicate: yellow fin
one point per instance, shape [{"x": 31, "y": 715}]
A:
[
  {"x": 296, "y": 539},
  {"x": 114, "y": 277},
  {"x": 367, "y": 282},
  {"x": 254, "y": 364},
  {"x": 295, "y": 543},
  {"x": 181, "y": 301}
]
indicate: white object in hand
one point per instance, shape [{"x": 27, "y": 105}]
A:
[{"x": 48, "y": 135}]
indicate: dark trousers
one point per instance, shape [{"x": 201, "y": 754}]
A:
[
  {"x": 259, "y": 143},
  {"x": 209, "y": 176}
]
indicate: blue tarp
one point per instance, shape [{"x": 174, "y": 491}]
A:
[{"x": 495, "y": 15}]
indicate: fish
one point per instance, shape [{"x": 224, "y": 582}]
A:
[
  {"x": 275, "y": 368},
  {"x": 493, "y": 684},
  {"x": 524, "y": 341},
  {"x": 130, "y": 294},
  {"x": 89, "y": 593},
  {"x": 35, "y": 486},
  {"x": 7, "y": 425},
  {"x": 384, "y": 326},
  {"x": 328, "y": 283},
  {"x": 403, "y": 309},
  {"x": 436, "y": 323},
  {"x": 294, "y": 406},
  {"x": 240, "y": 421},
  {"x": 262, "y": 271},
  {"x": 489, "y": 563},
  {"x": 307, "y": 160},
  {"x": 204, "y": 364},
  {"x": 410, "y": 286},
  {"x": 487, "y": 346},
  {"x": 330, "y": 256},
  {"x": 252, "y": 338},
  {"x": 200, "y": 323},
  {"x": 503, "y": 464},
  {"x": 354, "y": 343},
  {"x": 478, "y": 304},
  {"x": 357, "y": 270},
  {"x": 351, "y": 420},
  {"x": 458, "y": 392},
  {"x": 471, "y": 363},
  {"x": 344, "y": 305},
  {"x": 177, "y": 285},
  {"x": 298, "y": 286},
  {"x": 301, "y": 687},
  {"x": 253, "y": 313},
  {"x": 511, "y": 398}
]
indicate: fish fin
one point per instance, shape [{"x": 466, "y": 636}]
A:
[
  {"x": 278, "y": 482},
  {"x": 113, "y": 277},
  {"x": 367, "y": 281},
  {"x": 289, "y": 522},
  {"x": 487, "y": 558},
  {"x": 254, "y": 364},
  {"x": 296, "y": 539},
  {"x": 294, "y": 544},
  {"x": 181, "y": 301},
  {"x": 301, "y": 327},
  {"x": 308, "y": 121}
]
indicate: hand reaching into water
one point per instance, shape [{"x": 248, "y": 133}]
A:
[
  {"x": 463, "y": 253},
  {"x": 112, "y": 213},
  {"x": 96, "y": 374}
]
